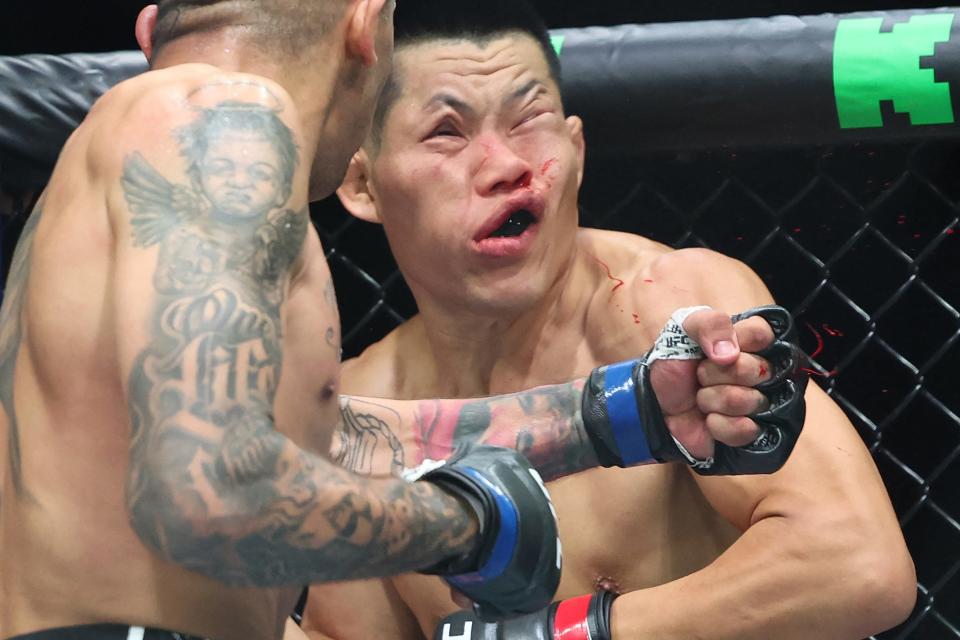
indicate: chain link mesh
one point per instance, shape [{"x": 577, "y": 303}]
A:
[{"x": 860, "y": 242}]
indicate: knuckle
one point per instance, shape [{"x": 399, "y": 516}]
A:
[
  {"x": 706, "y": 373},
  {"x": 741, "y": 397}
]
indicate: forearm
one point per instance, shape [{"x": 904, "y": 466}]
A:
[
  {"x": 544, "y": 424},
  {"x": 776, "y": 581},
  {"x": 263, "y": 512}
]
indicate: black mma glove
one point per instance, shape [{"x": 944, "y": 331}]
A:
[
  {"x": 583, "y": 618},
  {"x": 515, "y": 568},
  {"x": 626, "y": 425}
]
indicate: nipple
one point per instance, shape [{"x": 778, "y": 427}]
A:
[{"x": 603, "y": 583}]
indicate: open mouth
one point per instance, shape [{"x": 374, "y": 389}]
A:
[{"x": 515, "y": 225}]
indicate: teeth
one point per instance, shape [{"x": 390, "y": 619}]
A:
[{"x": 515, "y": 225}]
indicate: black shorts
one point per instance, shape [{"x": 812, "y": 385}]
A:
[{"x": 105, "y": 632}]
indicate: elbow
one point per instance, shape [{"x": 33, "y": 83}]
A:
[
  {"x": 881, "y": 584},
  {"x": 889, "y": 588},
  {"x": 862, "y": 576},
  {"x": 186, "y": 537},
  {"x": 171, "y": 518}
]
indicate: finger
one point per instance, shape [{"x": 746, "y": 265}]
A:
[
  {"x": 748, "y": 371},
  {"x": 731, "y": 400},
  {"x": 733, "y": 432},
  {"x": 714, "y": 332},
  {"x": 754, "y": 334}
]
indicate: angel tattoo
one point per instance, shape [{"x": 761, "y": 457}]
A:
[{"x": 241, "y": 160}]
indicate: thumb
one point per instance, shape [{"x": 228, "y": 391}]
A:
[{"x": 713, "y": 331}]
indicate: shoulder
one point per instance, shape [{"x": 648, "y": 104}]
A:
[
  {"x": 634, "y": 285},
  {"x": 640, "y": 258},
  {"x": 143, "y": 112},
  {"x": 624, "y": 250},
  {"x": 386, "y": 369},
  {"x": 710, "y": 278}
]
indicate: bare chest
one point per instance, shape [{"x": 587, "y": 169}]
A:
[{"x": 629, "y": 529}]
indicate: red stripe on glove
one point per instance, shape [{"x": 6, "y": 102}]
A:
[{"x": 570, "y": 621}]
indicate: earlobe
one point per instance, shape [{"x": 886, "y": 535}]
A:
[
  {"x": 146, "y": 23},
  {"x": 362, "y": 30},
  {"x": 355, "y": 192},
  {"x": 575, "y": 127}
]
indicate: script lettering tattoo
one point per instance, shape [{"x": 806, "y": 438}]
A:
[
  {"x": 11, "y": 333},
  {"x": 212, "y": 485},
  {"x": 365, "y": 438},
  {"x": 543, "y": 424}
]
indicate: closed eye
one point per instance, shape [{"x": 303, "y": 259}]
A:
[
  {"x": 445, "y": 130},
  {"x": 530, "y": 118}
]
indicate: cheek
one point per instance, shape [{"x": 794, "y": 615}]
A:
[
  {"x": 550, "y": 159},
  {"x": 262, "y": 186},
  {"x": 419, "y": 185},
  {"x": 271, "y": 187},
  {"x": 431, "y": 173},
  {"x": 213, "y": 183}
]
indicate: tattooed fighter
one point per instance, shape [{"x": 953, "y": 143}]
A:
[
  {"x": 473, "y": 169},
  {"x": 161, "y": 383}
]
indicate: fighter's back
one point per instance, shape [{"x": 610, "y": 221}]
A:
[{"x": 69, "y": 554}]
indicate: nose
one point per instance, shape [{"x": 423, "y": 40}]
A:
[
  {"x": 501, "y": 169},
  {"x": 238, "y": 179}
]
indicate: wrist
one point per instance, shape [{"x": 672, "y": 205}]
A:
[
  {"x": 612, "y": 417},
  {"x": 465, "y": 506},
  {"x": 584, "y": 618}
]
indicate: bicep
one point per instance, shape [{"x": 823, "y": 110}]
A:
[
  {"x": 208, "y": 209},
  {"x": 830, "y": 469}
]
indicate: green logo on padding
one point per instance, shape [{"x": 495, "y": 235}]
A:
[
  {"x": 557, "y": 42},
  {"x": 869, "y": 66}
]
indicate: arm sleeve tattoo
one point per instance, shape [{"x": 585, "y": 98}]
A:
[
  {"x": 212, "y": 485},
  {"x": 544, "y": 424}
]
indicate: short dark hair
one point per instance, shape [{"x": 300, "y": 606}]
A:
[
  {"x": 480, "y": 21},
  {"x": 288, "y": 26}
]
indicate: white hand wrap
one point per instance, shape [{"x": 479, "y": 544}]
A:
[{"x": 674, "y": 343}]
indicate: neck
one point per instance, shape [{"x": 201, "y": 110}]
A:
[
  {"x": 498, "y": 352},
  {"x": 311, "y": 87}
]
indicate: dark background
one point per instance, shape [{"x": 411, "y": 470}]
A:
[{"x": 45, "y": 26}]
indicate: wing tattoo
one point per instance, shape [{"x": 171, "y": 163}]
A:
[{"x": 158, "y": 205}]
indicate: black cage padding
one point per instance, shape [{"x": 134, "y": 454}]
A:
[{"x": 736, "y": 83}]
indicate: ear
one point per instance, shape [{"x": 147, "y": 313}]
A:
[
  {"x": 575, "y": 127},
  {"x": 362, "y": 25},
  {"x": 355, "y": 192},
  {"x": 146, "y": 22}
]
